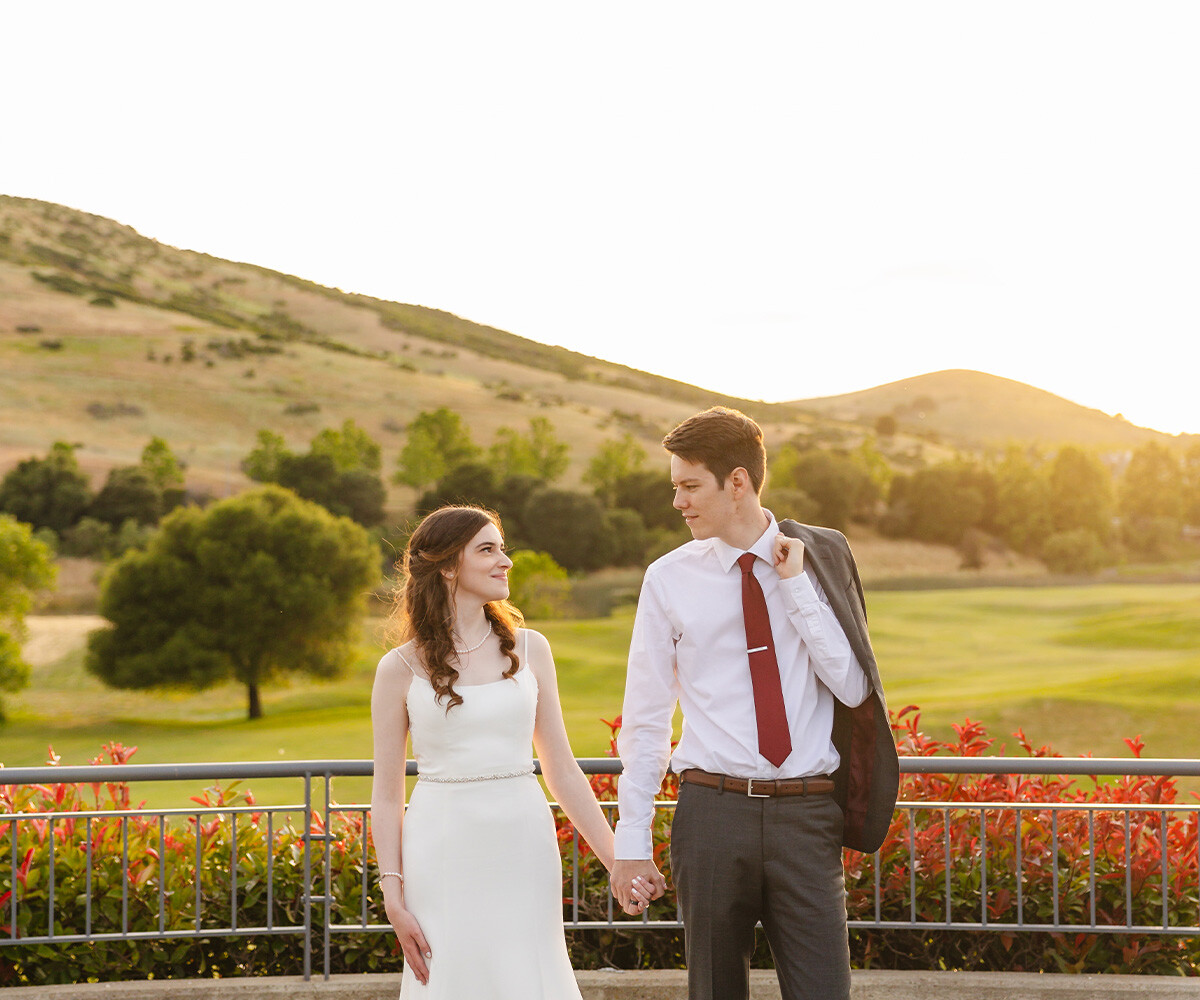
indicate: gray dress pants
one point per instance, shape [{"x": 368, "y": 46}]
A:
[{"x": 736, "y": 861}]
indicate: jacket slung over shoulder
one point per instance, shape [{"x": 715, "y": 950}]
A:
[{"x": 868, "y": 779}]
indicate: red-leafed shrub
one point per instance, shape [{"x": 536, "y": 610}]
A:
[
  {"x": 1101, "y": 863},
  {"x": 928, "y": 849},
  {"x": 174, "y": 866},
  {"x": 177, "y": 861}
]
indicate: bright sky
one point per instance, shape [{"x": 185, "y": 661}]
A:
[{"x": 776, "y": 201}]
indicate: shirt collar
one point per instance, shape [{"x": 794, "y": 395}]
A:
[{"x": 764, "y": 547}]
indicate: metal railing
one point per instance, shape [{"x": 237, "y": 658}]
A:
[{"x": 1148, "y": 844}]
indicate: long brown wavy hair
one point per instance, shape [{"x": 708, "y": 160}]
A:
[{"x": 424, "y": 607}]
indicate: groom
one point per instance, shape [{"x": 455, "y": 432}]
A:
[{"x": 758, "y": 630}]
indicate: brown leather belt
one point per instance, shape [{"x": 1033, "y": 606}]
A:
[{"x": 758, "y": 788}]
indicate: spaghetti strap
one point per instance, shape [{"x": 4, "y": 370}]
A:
[
  {"x": 406, "y": 663},
  {"x": 524, "y": 647}
]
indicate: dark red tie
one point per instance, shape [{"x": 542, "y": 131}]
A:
[{"x": 774, "y": 740}]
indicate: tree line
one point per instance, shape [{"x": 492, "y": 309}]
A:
[
  {"x": 1076, "y": 510},
  {"x": 272, "y": 580}
]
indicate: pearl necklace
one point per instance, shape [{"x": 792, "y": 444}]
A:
[{"x": 463, "y": 652}]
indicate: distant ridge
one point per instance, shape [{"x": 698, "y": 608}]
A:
[
  {"x": 108, "y": 337},
  {"x": 975, "y": 409}
]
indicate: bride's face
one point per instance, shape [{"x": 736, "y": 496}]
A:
[{"x": 483, "y": 569}]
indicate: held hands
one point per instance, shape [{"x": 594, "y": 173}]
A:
[
  {"x": 635, "y": 883},
  {"x": 412, "y": 941},
  {"x": 789, "y": 556}
]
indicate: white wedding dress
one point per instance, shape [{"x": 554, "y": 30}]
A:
[{"x": 482, "y": 872}]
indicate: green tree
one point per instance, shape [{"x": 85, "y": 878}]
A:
[
  {"x": 50, "y": 492},
  {"x": 470, "y": 483},
  {"x": 613, "y": 462},
  {"x": 1191, "y": 485},
  {"x": 785, "y": 502},
  {"x": 1151, "y": 501},
  {"x": 538, "y": 585},
  {"x": 509, "y": 502},
  {"x": 26, "y": 566},
  {"x": 1152, "y": 485},
  {"x": 262, "y": 464},
  {"x": 357, "y": 494},
  {"x": 249, "y": 589},
  {"x": 1081, "y": 493},
  {"x": 878, "y": 470},
  {"x": 536, "y": 453},
  {"x": 128, "y": 493},
  {"x": 1075, "y": 551},
  {"x": 88, "y": 538},
  {"x": 350, "y": 448},
  {"x": 625, "y": 538},
  {"x": 160, "y": 463},
  {"x": 781, "y": 468},
  {"x": 568, "y": 525},
  {"x": 1022, "y": 502},
  {"x": 940, "y": 503},
  {"x": 945, "y": 503},
  {"x": 438, "y": 442},
  {"x": 649, "y": 493},
  {"x": 838, "y": 483}
]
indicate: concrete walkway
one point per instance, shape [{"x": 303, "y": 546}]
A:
[{"x": 656, "y": 985}]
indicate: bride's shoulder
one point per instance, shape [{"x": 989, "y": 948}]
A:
[
  {"x": 400, "y": 663},
  {"x": 534, "y": 649},
  {"x": 532, "y": 637}
]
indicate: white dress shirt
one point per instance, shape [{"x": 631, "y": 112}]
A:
[{"x": 689, "y": 645}]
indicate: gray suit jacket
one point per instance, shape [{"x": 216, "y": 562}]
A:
[{"x": 867, "y": 781}]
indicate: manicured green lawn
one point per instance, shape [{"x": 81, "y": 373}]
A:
[{"x": 1078, "y": 668}]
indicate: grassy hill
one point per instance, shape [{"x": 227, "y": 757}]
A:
[
  {"x": 107, "y": 338},
  {"x": 976, "y": 409}
]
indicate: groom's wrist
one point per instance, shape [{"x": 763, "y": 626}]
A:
[{"x": 632, "y": 845}]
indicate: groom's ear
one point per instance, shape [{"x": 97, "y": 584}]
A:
[{"x": 738, "y": 483}]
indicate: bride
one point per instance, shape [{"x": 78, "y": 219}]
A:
[{"x": 470, "y": 873}]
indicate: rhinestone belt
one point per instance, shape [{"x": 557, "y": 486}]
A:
[{"x": 477, "y": 777}]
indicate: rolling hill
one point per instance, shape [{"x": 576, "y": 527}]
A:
[
  {"x": 974, "y": 409},
  {"x": 108, "y": 338}
]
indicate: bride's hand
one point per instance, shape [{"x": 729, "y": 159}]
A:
[
  {"x": 412, "y": 941},
  {"x": 640, "y": 894}
]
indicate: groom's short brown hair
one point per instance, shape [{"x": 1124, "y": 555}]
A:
[{"x": 722, "y": 440}]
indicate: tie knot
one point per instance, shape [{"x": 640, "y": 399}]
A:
[{"x": 746, "y": 561}]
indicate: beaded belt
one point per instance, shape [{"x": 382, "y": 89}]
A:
[{"x": 476, "y": 777}]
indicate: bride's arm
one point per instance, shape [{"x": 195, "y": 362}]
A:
[
  {"x": 389, "y": 725},
  {"x": 567, "y": 783}
]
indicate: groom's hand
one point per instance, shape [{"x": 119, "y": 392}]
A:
[
  {"x": 789, "y": 556},
  {"x": 621, "y": 882}
]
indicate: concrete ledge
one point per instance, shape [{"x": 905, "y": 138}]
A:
[{"x": 667, "y": 984}]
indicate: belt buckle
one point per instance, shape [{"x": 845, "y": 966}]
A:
[{"x": 750, "y": 793}]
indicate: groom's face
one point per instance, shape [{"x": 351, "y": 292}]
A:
[{"x": 706, "y": 505}]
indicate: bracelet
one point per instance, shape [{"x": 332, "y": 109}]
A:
[{"x": 383, "y": 875}]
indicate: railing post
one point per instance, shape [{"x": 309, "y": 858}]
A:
[
  {"x": 307, "y": 875},
  {"x": 328, "y": 844}
]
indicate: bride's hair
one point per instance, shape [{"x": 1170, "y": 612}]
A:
[{"x": 425, "y": 602}]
